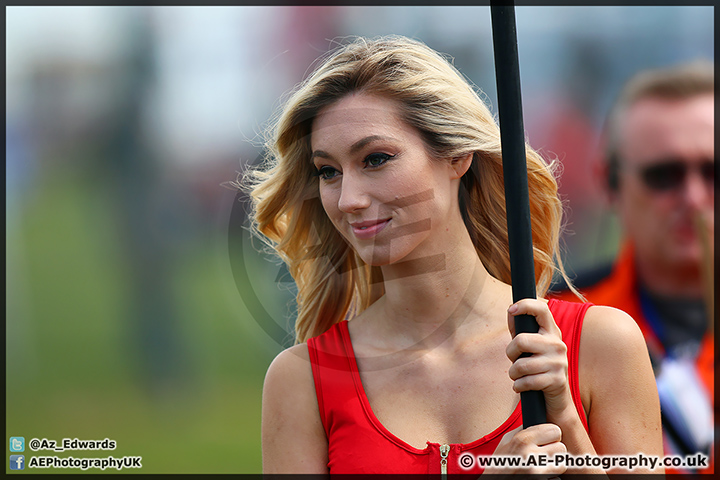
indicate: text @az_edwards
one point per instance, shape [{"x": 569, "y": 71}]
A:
[{"x": 65, "y": 444}]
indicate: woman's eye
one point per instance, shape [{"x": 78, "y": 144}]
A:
[
  {"x": 327, "y": 173},
  {"x": 377, "y": 159}
]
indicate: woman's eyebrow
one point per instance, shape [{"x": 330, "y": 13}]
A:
[
  {"x": 354, "y": 148},
  {"x": 365, "y": 141},
  {"x": 319, "y": 153}
]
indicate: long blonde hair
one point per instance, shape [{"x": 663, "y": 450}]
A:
[{"x": 333, "y": 282}]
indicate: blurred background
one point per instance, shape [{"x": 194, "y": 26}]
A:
[{"x": 137, "y": 307}]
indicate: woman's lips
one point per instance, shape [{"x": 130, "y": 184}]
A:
[{"x": 368, "y": 229}]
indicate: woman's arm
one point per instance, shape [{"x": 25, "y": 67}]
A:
[
  {"x": 618, "y": 386},
  {"x": 616, "y": 381},
  {"x": 293, "y": 438}
]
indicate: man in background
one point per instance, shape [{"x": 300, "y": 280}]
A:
[{"x": 658, "y": 173}]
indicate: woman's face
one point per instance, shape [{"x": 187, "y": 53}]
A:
[{"x": 378, "y": 185}]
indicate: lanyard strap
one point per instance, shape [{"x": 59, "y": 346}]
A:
[
  {"x": 655, "y": 334},
  {"x": 673, "y": 425}
]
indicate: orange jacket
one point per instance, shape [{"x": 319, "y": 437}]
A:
[{"x": 620, "y": 290}]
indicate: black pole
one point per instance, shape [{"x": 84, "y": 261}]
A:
[{"x": 517, "y": 202}]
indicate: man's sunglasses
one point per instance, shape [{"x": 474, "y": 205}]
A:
[{"x": 664, "y": 177}]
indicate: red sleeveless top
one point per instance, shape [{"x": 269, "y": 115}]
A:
[{"x": 359, "y": 443}]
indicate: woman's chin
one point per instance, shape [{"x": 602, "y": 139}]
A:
[{"x": 376, "y": 260}]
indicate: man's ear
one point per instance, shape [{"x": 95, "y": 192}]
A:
[
  {"x": 606, "y": 180},
  {"x": 460, "y": 165}
]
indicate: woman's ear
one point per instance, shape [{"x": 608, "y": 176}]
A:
[{"x": 460, "y": 165}]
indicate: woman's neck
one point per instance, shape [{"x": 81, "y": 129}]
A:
[{"x": 437, "y": 294}]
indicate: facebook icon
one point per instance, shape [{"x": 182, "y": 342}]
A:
[{"x": 17, "y": 462}]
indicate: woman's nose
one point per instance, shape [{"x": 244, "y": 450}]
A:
[{"x": 353, "y": 194}]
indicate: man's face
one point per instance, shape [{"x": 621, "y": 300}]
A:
[{"x": 657, "y": 206}]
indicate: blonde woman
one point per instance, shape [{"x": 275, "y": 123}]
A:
[{"x": 383, "y": 193}]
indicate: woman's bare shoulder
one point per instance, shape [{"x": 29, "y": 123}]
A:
[
  {"x": 290, "y": 372},
  {"x": 608, "y": 329},
  {"x": 293, "y": 436},
  {"x": 613, "y": 355},
  {"x": 617, "y": 384}
]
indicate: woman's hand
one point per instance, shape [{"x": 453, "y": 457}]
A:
[
  {"x": 547, "y": 369},
  {"x": 541, "y": 441}
]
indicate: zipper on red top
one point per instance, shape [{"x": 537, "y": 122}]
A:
[{"x": 444, "y": 451}]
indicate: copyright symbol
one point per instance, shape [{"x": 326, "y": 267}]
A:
[
  {"x": 34, "y": 444},
  {"x": 466, "y": 460}
]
